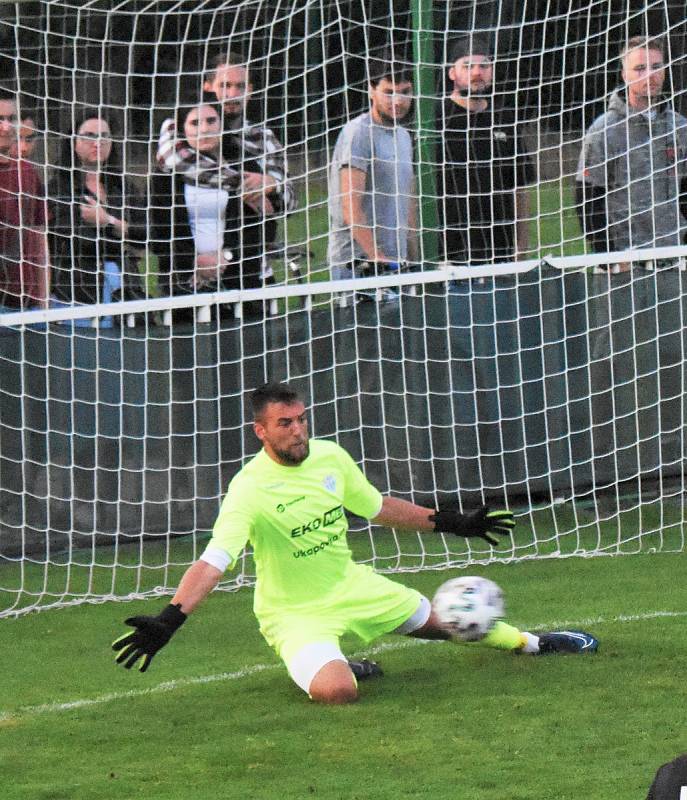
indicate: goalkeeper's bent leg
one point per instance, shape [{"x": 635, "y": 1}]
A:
[{"x": 425, "y": 625}]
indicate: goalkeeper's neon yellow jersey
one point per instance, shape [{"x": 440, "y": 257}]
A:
[{"x": 294, "y": 518}]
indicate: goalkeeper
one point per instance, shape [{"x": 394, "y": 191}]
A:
[{"x": 289, "y": 502}]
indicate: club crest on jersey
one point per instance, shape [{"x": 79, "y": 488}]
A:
[{"x": 329, "y": 483}]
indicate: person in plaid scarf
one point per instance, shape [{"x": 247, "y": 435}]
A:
[{"x": 252, "y": 168}]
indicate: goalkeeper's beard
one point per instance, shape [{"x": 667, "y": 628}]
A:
[{"x": 292, "y": 458}]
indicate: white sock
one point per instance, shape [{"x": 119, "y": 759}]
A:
[{"x": 532, "y": 643}]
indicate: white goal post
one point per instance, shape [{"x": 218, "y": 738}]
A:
[{"x": 510, "y": 359}]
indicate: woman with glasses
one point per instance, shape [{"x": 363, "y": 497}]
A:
[{"x": 98, "y": 218}]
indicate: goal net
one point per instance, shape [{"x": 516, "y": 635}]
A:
[{"x": 517, "y": 337}]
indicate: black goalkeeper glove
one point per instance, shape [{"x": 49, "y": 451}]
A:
[
  {"x": 480, "y": 523},
  {"x": 151, "y": 635}
]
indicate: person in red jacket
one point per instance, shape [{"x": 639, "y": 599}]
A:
[{"x": 24, "y": 267}]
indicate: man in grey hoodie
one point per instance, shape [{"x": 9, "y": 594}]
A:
[{"x": 632, "y": 171}]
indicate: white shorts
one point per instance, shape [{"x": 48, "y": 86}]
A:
[{"x": 310, "y": 659}]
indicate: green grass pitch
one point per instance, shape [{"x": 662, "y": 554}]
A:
[{"x": 217, "y": 717}]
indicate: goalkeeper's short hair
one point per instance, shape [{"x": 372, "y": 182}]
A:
[{"x": 272, "y": 393}]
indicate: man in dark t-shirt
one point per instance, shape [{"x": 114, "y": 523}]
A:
[
  {"x": 483, "y": 201},
  {"x": 24, "y": 271}
]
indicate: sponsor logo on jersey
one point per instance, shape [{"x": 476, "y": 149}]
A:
[
  {"x": 327, "y": 519},
  {"x": 500, "y": 136},
  {"x": 318, "y": 548},
  {"x": 281, "y": 508},
  {"x": 329, "y": 483}
]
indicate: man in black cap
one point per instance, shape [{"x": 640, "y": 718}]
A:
[
  {"x": 670, "y": 782},
  {"x": 485, "y": 172}
]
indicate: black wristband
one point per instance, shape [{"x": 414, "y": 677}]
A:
[{"x": 173, "y": 616}]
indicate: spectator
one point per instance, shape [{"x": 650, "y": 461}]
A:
[
  {"x": 372, "y": 208},
  {"x": 250, "y": 151},
  {"x": 670, "y": 781},
  {"x": 24, "y": 268},
  {"x": 484, "y": 201},
  {"x": 195, "y": 209},
  {"x": 24, "y": 145},
  {"x": 632, "y": 172},
  {"x": 98, "y": 218}
]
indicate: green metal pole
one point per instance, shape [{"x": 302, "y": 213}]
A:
[{"x": 425, "y": 91}]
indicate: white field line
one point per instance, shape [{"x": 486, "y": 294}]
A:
[{"x": 246, "y": 672}]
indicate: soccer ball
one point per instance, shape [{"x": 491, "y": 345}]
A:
[{"x": 468, "y": 607}]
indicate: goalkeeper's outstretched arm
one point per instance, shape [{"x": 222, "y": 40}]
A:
[
  {"x": 198, "y": 581},
  {"x": 484, "y": 522},
  {"x": 151, "y": 634}
]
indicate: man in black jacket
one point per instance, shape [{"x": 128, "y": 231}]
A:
[{"x": 254, "y": 150}]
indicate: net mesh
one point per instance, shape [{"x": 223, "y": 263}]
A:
[{"x": 516, "y": 360}]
